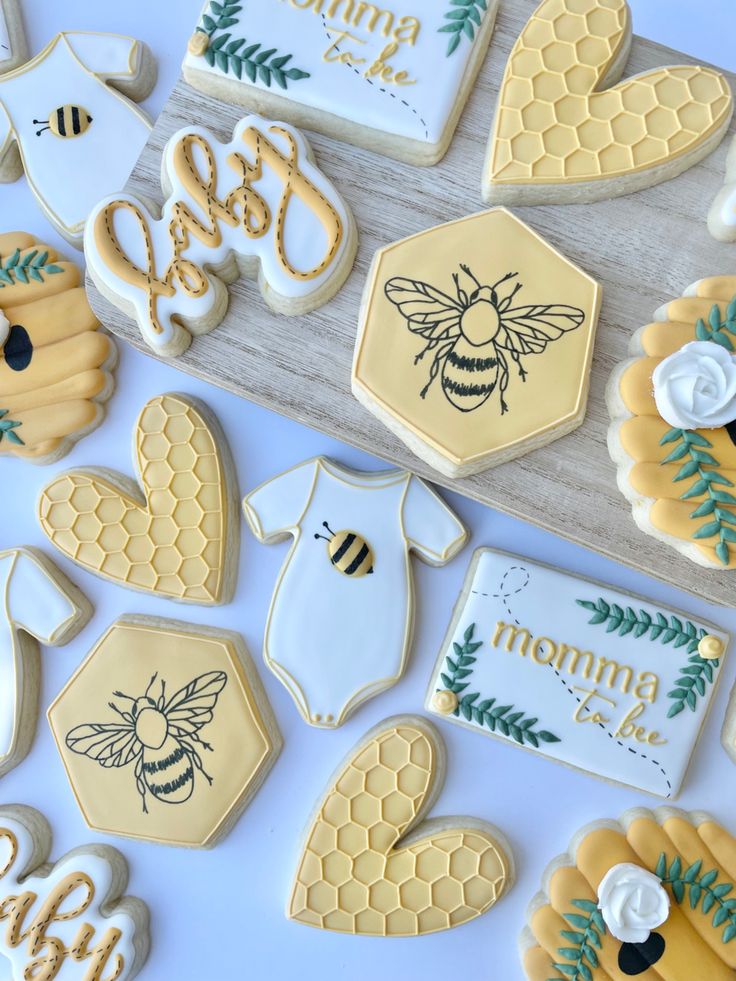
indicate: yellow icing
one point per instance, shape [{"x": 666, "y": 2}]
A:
[
  {"x": 355, "y": 877},
  {"x": 124, "y": 660},
  {"x": 553, "y": 123},
  {"x": 174, "y": 542},
  {"x": 494, "y": 243}
]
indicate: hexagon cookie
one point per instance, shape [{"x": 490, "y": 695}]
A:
[
  {"x": 475, "y": 342},
  {"x": 370, "y": 867},
  {"x": 175, "y": 538},
  {"x": 165, "y": 732}
]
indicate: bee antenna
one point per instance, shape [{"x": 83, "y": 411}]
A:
[
  {"x": 504, "y": 279},
  {"x": 150, "y": 683},
  {"x": 120, "y": 694},
  {"x": 466, "y": 270}
]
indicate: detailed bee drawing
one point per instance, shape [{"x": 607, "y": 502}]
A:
[
  {"x": 349, "y": 552},
  {"x": 474, "y": 335},
  {"x": 161, "y": 736},
  {"x": 65, "y": 122}
]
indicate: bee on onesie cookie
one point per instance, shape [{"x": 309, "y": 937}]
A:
[
  {"x": 348, "y": 551},
  {"x": 66, "y": 122}
]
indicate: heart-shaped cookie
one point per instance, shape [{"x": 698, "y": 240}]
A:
[
  {"x": 176, "y": 539},
  {"x": 367, "y": 867},
  {"x": 561, "y": 134}
]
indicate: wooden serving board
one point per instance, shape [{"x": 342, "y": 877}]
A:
[{"x": 644, "y": 249}]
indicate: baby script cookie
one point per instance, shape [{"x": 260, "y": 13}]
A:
[
  {"x": 390, "y": 76},
  {"x": 673, "y": 429},
  {"x": 577, "y": 671},
  {"x": 147, "y": 726},
  {"x": 174, "y": 532},
  {"x": 257, "y": 206},
  {"x": 346, "y": 583},
  {"x": 565, "y": 132},
  {"x": 475, "y": 342},
  {"x": 68, "y": 122},
  {"x": 13, "y": 46},
  {"x": 40, "y": 606},
  {"x": 647, "y": 896},
  {"x": 55, "y": 363},
  {"x": 65, "y": 920},
  {"x": 371, "y": 864},
  {"x": 722, "y": 215}
]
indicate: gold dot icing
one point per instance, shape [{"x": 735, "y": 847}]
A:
[
  {"x": 445, "y": 701},
  {"x": 355, "y": 877},
  {"x": 176, "y": 539},
  {"x": 711, "y": 648},
  {"x": 559, "y": 122}
]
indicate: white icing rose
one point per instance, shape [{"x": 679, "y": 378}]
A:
[
  {"x": 4, "y": 328},
  {"x": 633, "y": 902},
  {"x": 695, "y": 388}
]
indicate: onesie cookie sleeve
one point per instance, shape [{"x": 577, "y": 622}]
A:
[
  {"x": 110, "y": 56},
  {"x": 35, "y": 603},
  {"x": 275, "y": 509},
  {"x": 431, "y": 529}
]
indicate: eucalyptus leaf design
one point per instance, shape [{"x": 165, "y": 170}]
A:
[
  {"x": 500, "y": 719},
  {"x": 234, "y": 55},
  {"x": 704, "y": 892},
  {"x": 463, "y": 19},
  {"x": 7, "y": 429},
  {"x": 579, "y": 958},
  {"x": 32, "y": 267}
]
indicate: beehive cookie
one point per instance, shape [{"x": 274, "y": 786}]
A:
[
  {"x": 371, "y": 865},
  {"x": 649, "y": 896},
  {"x": 672, "y": 436},
  {"x": 564, "y": 131},
  {"x": 55, "y": 363},
  {"x": 174, "y": 533}
]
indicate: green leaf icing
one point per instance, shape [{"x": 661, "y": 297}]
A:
[
  {"x": 7, "y": 429},
  {"x": 702, "y": 892},
  {"x": 484, "y": 711},
  {"x": 463, "y": 20},
  {"x": 236, "y": 56},
  {"x": 31, "y": 268},
  {"x": 579, "y": 959}
]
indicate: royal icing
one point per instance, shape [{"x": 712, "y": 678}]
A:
[
  {"x": 54, "y": 361},
  {"x": 79, "y": 138},
  {"x": 259, "y": 198},
  {"x": 145, "y": 728},
  {"x": 13, "y": 47},
  {"x": 348, "y": 573},
  {"x": 179, "y": 540},
  {"x": 65, "y": 921},
  {"x": 40, "y": 606},
  {"x": 664, "y": 876},
  {"x": 722, "y": 215},
  {"x": 576, "y": 671},
  {"x": 473, "y": 364},
  {"x": 559, "y": 122},
  {"x": 680, "y": 478},
  {"x": 452, "y": 873},
  {"x": 359, "y": 71}
]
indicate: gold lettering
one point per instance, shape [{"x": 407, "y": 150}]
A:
[
  {"x": 374, "y": 15},
  {"x": 595, "y": 716},
  {"x": 572, "y": 667},
  {"x": 333, "y": 53},
  {"x": 614, "y": 670},
  {"x": 407, "y": 31},
  {"x": 385, "y": 71},
  {"x": 335, "y": 4},
  {"x": 514, "y": 632},
  {"x": 540, "y": 656},
  {"x": 647, "y": 680},
  {"x": 627, "y": 729}
]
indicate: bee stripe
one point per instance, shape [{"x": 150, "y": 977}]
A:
[
  {"x": 346, "y": 545},
  {"x": 154, "y": 766},
  {"x": 358, "y": 561},
  {"x": 171, "y": 786},
  {"x": 61, "y": 121},
  {"x": 75, "y": 120}
]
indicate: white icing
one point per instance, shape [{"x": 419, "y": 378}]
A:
[
  {"x": 695, "y": 388},
  {"x": 333, "y": 640},
  {"x": 419, "y": 111},
  {"x": 4, "y": 328},
  {"x": 99, "y": 870},
  {"x": 69, "y": 176},
  {"x": 633, "y": 902},
  {"x": 35, "y": 604},
  {"x": 544, "y": 601},
  {"x": 306, "y": 240}
]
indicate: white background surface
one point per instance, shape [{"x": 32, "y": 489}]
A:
[{"x": 219, "y": 914}]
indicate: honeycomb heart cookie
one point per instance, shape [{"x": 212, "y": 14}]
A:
[
  {"x": 370, "y": 868},
  {"x": 177, "y": 538},
  {"x": 563, "y": 134}
]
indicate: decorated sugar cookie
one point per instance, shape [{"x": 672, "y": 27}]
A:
[
  {"x": 174, "y": 533},
  {"x": 147, "y": 727},
  {"x": 40, "y": 606},
  {"x": 168, "y": 273},
  {"x": 475, "y": 342},
  {"x": 13, "y": 47},
  {"x": 347, "y": 575},
  {"x": 65, "y": 920},
  {"x": 407, "y": 877},
  {"x": 566, "y": 132},
  {"x": 393, "y": 78},
  {"x": 577, "y": 671},
  {"x": 649, "y": 896},
  {"x": 68, "y": 117},
  {"x": 673, "y": 430},
  {"x": 722, "y": 215},
  {"x": 55, "y": 362}
]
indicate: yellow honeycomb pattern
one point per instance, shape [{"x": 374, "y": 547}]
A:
[
  {"x": 352, "y": 879},
  {"x": 553, "y": 126},
  {"x": 173, "y": 542}
]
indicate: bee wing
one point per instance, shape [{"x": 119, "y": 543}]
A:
[
  {"x": 191, "y": 707},
  {"x": 109, "y": 743},
  {"x": 528, "y": 330},
  {"x": 428, "y": 311}
]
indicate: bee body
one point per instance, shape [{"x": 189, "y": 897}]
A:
[
  {"x": 469, "y": 374},
  {"x": 348, "y": 552},
  {"x": 66, "y": 122},
  {"x": 168, "y": 771}
]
